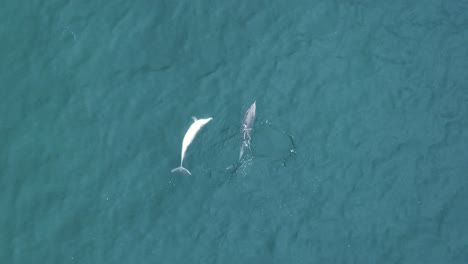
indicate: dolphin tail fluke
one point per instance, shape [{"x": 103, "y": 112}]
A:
[{"x": 181, "y": 170}]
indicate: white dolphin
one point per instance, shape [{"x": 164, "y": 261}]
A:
[
  {"x": 188, "y": 138},
  {"x": 246, "y": 128}
]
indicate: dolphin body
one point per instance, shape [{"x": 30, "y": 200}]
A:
[
  {"x": 188, "y": 138},
  {"x": 246, "y": 128}
]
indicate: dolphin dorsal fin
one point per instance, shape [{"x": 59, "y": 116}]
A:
[{"x": 194, "y": 119}]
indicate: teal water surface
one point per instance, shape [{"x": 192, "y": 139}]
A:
[{"x": 359, "y": 151}]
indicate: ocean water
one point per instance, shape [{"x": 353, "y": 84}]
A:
[{"x": 359, "y": 151}]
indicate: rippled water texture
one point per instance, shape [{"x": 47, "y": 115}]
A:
[{"x": 359, "y": 152}]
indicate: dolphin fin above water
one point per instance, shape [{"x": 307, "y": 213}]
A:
[{"x": 245, "y": 145}]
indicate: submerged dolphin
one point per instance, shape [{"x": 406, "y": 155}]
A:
[
  {"x": 246, "y": 128},
  {"x": 188, "y": 138}
]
